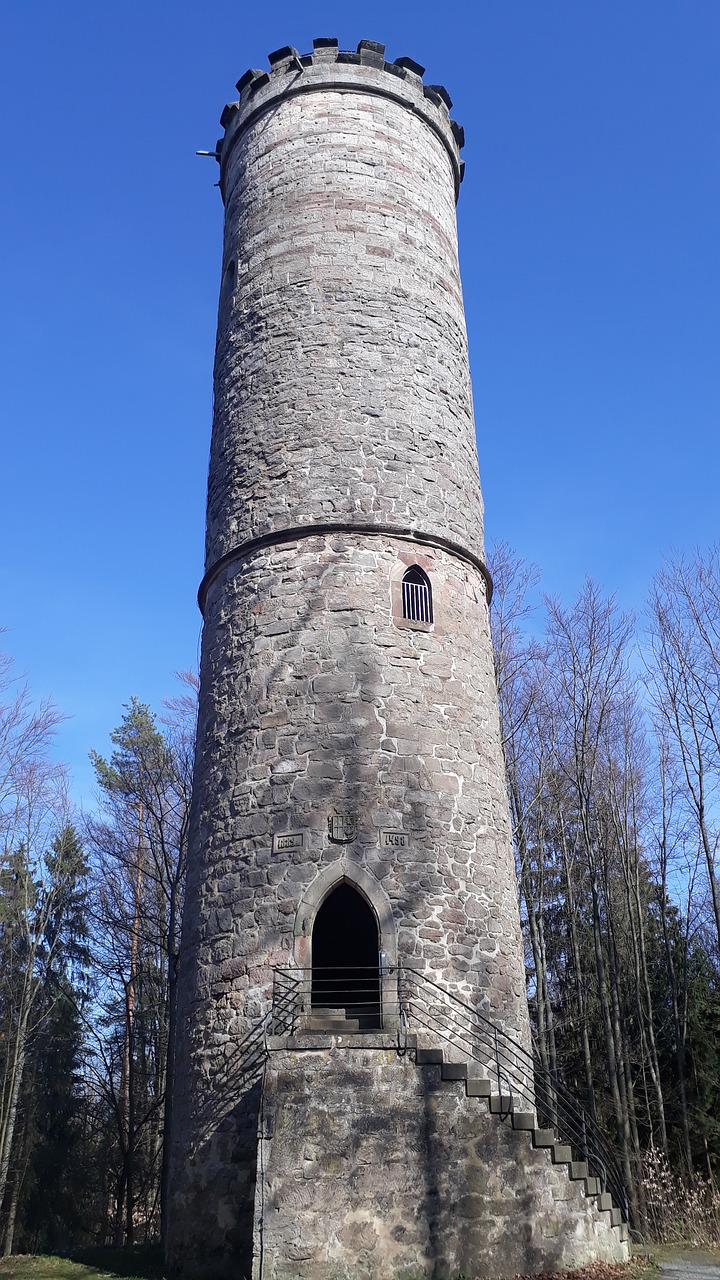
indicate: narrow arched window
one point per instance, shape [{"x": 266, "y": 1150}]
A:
[
  {"x": 228, "y": 282},
  {"x": 416, "y": 595}
]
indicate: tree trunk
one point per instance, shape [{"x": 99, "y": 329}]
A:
[
  {"x": 614, "y": 1080},
  {"x": 18, "y": 1052},
  {"x": 9, "y": 1235},
  {"x": 173, "y": 966},
  {"x": 577, "y": 974}
]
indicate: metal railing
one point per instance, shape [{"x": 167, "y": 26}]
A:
[
  {"x": 409, "y": 1001},
  {"x": 355, "y": 992}
]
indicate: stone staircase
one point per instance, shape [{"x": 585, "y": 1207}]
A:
[
  {"x": 336, "y": 1021},
  {"x": 503, "y": 1106},
  {"x": 330, "y": 1022}
]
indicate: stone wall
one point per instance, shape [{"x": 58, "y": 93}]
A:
[
  {"x": 369, "y": 1166},
  {"x": 315, "y": 696},
  {"x": 342, "y": 388}
]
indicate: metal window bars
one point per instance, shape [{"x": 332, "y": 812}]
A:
[{"x": 416, "y": 597}]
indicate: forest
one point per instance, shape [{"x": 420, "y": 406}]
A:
[{"x": 611, "y": 734}]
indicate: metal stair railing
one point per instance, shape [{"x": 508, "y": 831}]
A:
[
  {"x": 287, "y": 1001},
  {"x": 422, "y": 1006},
  {"x": 446, "y": 1015}
]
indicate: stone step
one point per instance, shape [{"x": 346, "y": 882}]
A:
[
  {"x": 454, "y": 1071},
  {"x": 524, "y": 1120},
  {"x": 578, "y": 1170},
  {"x": 624, "y": 1232},
  {"x": 592, "y": 1187},
  {"x": 544, "y": 1137},
  {"x": 616, "y": 1217},
  {"x": 340, "y": 1025},
  {"x": 501, "y": 1104},
  {"x": 561, "y": 1153},
  {"x": 477, "y": 1087},
  {"x": 429, "y": 1057},
  {"x": 604, "y": 1202}
]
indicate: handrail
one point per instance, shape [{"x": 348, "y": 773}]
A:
[{"x": 423, "y": 1005}]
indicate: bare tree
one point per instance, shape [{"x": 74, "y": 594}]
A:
[
  {"x": 684, "y": 678},
  {"x": 588, "y": 653},
  {"x": 519, "y": 666},
  {"x": 33, "y": 810}
]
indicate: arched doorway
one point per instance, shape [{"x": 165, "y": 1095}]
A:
[{"x": 346, "y": 957}]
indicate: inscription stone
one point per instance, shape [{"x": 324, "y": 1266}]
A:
[
  {"x": 284, "y": 841},
  {"x": 394, "y": 839}
]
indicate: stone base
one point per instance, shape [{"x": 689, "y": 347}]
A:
[{"x": 372, "y": 1167}]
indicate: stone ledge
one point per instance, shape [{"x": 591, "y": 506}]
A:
[{"x": 314, "y": 1040}]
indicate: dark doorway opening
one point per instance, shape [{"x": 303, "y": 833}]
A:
[{"x": 346, "y": 957}]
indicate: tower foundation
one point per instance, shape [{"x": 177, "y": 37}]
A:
[{"x": 370, "y": 1165}]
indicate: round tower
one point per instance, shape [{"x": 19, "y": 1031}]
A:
[{"x": 350, "y": 837}]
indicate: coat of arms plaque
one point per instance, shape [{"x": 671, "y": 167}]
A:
[{"x": 342, "y": 826}]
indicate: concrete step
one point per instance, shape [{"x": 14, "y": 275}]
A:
[
  {"x": 592, "y": 1187},
  {"x": 544, "y": 1138},
  {"x": 616, "y": 1217},
  {"x": 501, "y": 1104},
  {"x": 524, "y": 1120},
  {"x": 454, "y": 1071},
  {"x": 604, "y": 1202},
  {"x": 624, "y": 1231},
  {"x": 429, "y": 1057},
  {"x": 578, "y": 1170},
  {"x": 476, "y": 1087}
]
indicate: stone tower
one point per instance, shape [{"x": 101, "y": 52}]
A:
[{"x": 351, "y": 916}]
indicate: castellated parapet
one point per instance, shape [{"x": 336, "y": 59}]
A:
[{"x": 349, "y": 799}]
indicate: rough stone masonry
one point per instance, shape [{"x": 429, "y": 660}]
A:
[{"x": 344, "y": 740}]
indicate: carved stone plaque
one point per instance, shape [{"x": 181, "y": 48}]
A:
[
  {"x": 288, "y": 841},
  {"x": 342, "y": 826},
  {"x": 394, "y": 840}
]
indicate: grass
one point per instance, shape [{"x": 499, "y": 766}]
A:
[
  {"x": 677, "y": 1253},
  {"x": 86, "y": 1264}
]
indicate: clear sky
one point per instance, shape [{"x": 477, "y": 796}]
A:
[{"x": 589, "y": 222}]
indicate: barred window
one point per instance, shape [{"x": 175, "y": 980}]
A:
[{"x": 416, "y": 596}]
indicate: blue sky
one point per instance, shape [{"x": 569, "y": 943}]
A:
[{"x": 590, "y": 253}]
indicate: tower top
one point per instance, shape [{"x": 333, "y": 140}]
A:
[{"x": 364, "y": 70}]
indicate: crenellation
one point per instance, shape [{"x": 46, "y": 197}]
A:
[{"x": 280, "y": 59}]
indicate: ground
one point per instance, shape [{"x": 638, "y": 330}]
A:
[{"x": 656, "y": 1262}]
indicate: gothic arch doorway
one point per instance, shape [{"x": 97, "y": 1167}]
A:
[{"x": 346, "y": 956}]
